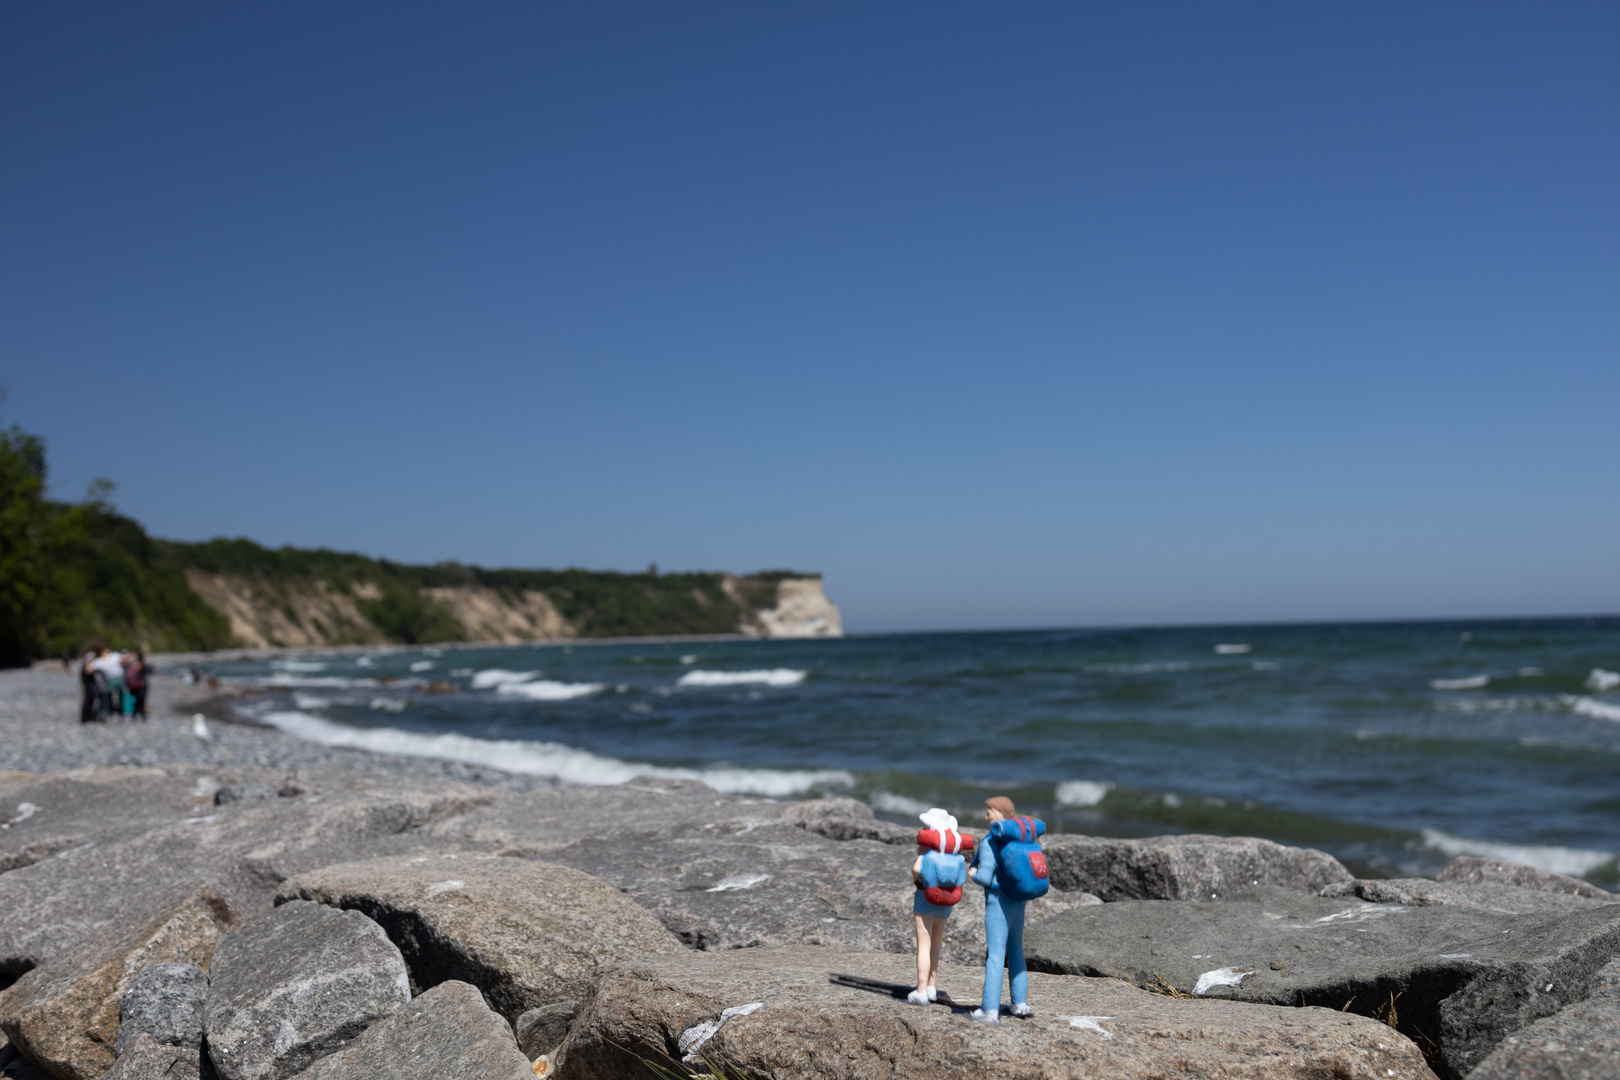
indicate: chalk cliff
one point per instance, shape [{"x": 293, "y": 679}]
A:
[
  {"x": 802, "y": 610},
  {"x": 306, "y": 613}
]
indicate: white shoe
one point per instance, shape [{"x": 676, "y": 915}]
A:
[
  {"x": 1022, "y": 1009},
  {"x": 918, "y": 997},
  {"x": 981, "y": 1017},
  {"x": 933, "y": 994}
]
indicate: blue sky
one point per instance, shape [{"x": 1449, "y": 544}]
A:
[{"x": 1044, "y": 315}]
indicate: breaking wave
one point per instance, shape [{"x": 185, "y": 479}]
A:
[
  {"x": 554, "y": 761},
  {"x": 1576, "y": 862},
  {"x": 546, "y": 690},
  {"x": 1081, "y": 792},
  {"x": 1597, "y": 710},
  {"x": 773, "y": 677},
  {"x": 1471, "y": 682},
  {"x": 484, "y": 680}
]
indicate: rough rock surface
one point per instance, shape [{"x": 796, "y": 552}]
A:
[
  {"x": 147, "y": 1059},
  {"x": 733, "y": 884},
  {"x": 808, "y": 1027},
  {"x": 539, "y": 1031},
  {"x": 164, "y": 1002},
  {"x": 525, "y": 933},
  {"x": 1470, "y": 869},
  {"x": 65, "y": 1016},
  {"x": 1485, "y": 895},
  {"x": 156, "y": 873},
  {"x": 1580, "y": 1043},
  {"x": 1190, "y": 867},
  {"x": 1457, "y": 979},
  {"x": 13, "y": 1066},
  {"x": 447, "y": 1032},
  {"x": 240, "y": 790},
  {"x": 295, "y": 985}
]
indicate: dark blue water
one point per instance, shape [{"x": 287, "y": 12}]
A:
[{"x": 1395, "y": 746}]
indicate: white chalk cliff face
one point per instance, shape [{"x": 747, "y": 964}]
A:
[{"x": 802, "y": 611}]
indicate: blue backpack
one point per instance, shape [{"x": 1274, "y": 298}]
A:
[{"x": 1020, "y": 864}]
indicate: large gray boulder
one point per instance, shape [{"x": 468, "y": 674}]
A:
[
  {"x": 1457, "y": 979},
  {"x": 527, "y": 934},
  {"x": 65, "y": 1016},
  {"x": 730, "y": 885},
  {"x": 144, "y": 1058},
  {"x": 295, "y": 985},
  {"x": 775, "y": 1012},
  {"x": 1471, "y": 869},
  {"x": 164, "y": 1002},
  {"x": 1485, "y": 895},
  {"x": 157, "y": 874},
  {"x": 447, "y": 1032},
  {"x": 1580, "y": 1043},
  {"x": 1190, "y": 867}
]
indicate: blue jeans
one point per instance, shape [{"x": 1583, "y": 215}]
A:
[{"x": 1004, "y": 934}]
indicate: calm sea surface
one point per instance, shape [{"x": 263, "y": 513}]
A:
[{"x": 1394, "y": 746}]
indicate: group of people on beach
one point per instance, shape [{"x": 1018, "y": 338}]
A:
[
  {"x": 113, "y": 684},
  {"x": 1009, "y": 865}
]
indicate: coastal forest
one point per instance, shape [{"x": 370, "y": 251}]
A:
[{"x": 74, "y": 572}]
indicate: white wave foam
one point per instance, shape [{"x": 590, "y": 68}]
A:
[
  {"x": 1234, "y": 649},
  {"x": 500, "y": 677},
  {"x": 389, "y": 704},
  {"x": 553, "y": 760},
  {"x": 308, "y": 681},
  {"x": 1597, "y": 710},
  {"x": 1081, "y": 792},
  {"x": 891, "y": 803},
  {"x": 422, "y": 665},
  {"x": 1135, "y": 669},
  {"x": 1471, "y": 682},
  {"x": 546, "y": 690},
  {"x": 309, "y": 701},
  {"x": 773, "y": 677},
  {"x": 299, "y": 665},
  {"x": 1555, "y": 860},
  {"x": 1601, "y": 680},
  {"x": 1507, "y": 704}
]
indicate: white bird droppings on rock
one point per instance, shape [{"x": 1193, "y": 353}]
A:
[
  {"x": 1090, "y": 1023},
  {"x": 740, "y": 881},
  {"x": 1226, "y": 976},
  {"x": 444, "y": 886}
]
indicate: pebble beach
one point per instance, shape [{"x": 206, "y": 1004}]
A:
[{"x": 40, "y": 732}]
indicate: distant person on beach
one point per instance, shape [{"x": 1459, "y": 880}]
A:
[
  {"x": 137, "y": 675},
  {"x": 111, "y": 668},
  {"x": 92, "y": 686},
  {"x": 1003, "y": 918}
]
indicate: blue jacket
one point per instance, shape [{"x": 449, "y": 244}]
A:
[{"x": 984, "y": 865}]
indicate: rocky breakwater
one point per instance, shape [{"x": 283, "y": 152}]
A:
[
  {"x": 190, "y": 921},
  {"x": 1455, "y": 970}
]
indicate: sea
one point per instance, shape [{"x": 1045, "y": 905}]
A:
[{"x": 1395, "y": 746}]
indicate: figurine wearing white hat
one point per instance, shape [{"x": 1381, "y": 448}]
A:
[{"x": 939, "y": 873}]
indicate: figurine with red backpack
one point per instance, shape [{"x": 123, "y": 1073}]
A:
[
  {"x": 1011, "y": 867},
  {"x": 939, "y": 873}
]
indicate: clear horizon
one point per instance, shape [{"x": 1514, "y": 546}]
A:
[{"x": 1035, "y": 319}]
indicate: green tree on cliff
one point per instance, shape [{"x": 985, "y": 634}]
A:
[{"x": 70, "y": 572}]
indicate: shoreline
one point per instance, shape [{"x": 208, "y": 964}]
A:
[{"x": 40, "y": 732}]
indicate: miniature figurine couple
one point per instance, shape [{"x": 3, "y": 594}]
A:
[{"x": 1012, "y": 870}]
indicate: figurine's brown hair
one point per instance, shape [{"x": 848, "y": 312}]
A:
[{"x": 1002, "y": 805}]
